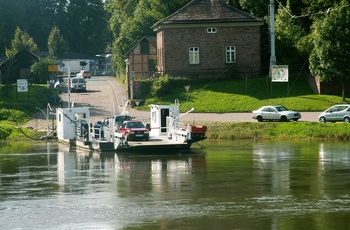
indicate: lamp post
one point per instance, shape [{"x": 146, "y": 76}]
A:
[{"x": 127, "y": 62}]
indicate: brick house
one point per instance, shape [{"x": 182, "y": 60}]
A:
[
  {"x": 142, "y": 57},
  {"x": 208, "y": 37}
]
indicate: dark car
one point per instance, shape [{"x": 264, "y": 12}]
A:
[
  {"x": 119, "y": 119},
  {"x": 134, "y": 130}
]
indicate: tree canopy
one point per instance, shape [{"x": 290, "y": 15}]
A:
[
  {"x": 330, "y": 56},
  {"x": 83, "y": 23},
  {"x": 21, "y": 41},
  {"x": 56, "y": 44},
  {"x": 314, "y": 30}
]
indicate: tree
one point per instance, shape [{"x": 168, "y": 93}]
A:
[
  {"x": 289, "y": 34},
  {"x": 131, "y": 20},
  {"x": 40, "y": 69},
  {"x": 86, "y": 26},
  {"x": 56, "y": 44},
  {"x": 21, "y": 40},
  {"x": 329, "y": 59},
  {"x": 11, "y": 16}
]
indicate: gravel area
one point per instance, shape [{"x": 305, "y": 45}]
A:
[{"x": 104, "y": 96}]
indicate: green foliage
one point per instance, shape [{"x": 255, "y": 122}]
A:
[
  {"x": 331, "y": 54},
  {"x": 277, "y": 131},
  {"x": 288, "y": 36},
  {"x": 242, "y": 95},
  {"x": 16, "y": 109},
  {"x": 131, "y": 20},
  {"x": 21, "y": 41},
  {"x": 161, "y": 86},
  {"x": 19, "y": 107},
  {"x": 83, "y": 63},
  {"x": 56, "y": 44},
  {"x": 40, "y": 69},
  {"x": 5, "y": 131}
]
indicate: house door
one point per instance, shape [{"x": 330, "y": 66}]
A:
[{"x": 164, "y": 113}]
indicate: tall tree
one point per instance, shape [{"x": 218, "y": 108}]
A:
[
  {"x": 289, "y": 33},
  {"x": 329, "y": 59},
  {"x": 86, "y": 26},
  {"x": 21, "y": 40},
  {"x": 131, "y": 20},
  {"x": 11, "y": 16},
  {"x": 56, "y": 44}
]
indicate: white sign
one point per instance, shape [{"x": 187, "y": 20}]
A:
[
  {"x": 279, "y": 73},
  {"x": 22, "y": 85}
]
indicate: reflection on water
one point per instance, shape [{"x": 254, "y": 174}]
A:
[{"x": 228, "y": 185}]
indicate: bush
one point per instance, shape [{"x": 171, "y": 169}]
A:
[{"x": 161, "y": 86}]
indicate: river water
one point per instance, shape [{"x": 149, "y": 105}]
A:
[{"x": 226, "y": 185}]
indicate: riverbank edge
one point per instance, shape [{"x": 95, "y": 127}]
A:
[{"x": 218, "y": 131}]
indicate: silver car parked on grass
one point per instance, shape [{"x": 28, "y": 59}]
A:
[
  {"x": 336, "y": 113},
  {"x": 275, "y": 113}
]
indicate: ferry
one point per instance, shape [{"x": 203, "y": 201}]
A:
[{"x": 165, "y": 131}]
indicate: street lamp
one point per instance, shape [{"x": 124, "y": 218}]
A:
[{"x": 127, "y": 62}]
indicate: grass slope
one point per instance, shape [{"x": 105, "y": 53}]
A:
[{"x": 245, "y": 95}]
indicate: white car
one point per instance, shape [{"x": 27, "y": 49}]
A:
[
  {"x": 336, "y": 113},
  {"x": 84, "y": 73},
  {"x": 275, "y": 113},
  {"x": 77, "y": 84}
]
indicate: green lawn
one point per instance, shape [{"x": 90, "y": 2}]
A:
[
  {"x": 241, "y": 95},
  {"x": 18, "y": 108}
]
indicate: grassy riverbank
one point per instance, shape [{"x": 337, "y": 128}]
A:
[
  {"x": 245, "y": 95},
  {"x": 278, "y": 131},
  {"x": 17, "y": 108}
]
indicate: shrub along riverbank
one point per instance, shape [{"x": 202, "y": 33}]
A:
[{"x": 278, "y": 131}]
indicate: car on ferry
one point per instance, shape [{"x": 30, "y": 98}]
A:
[
  {"x": 275, "y": 113},
  {"x": 119, "y": 119},
  {"x": 134, "y": 130},
  {"x": 336, "y": 113}
]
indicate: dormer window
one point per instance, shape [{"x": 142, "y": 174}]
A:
[{"x": 211, "y": 30}]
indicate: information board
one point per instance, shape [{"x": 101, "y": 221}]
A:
[{"x": 22, "y": 85}]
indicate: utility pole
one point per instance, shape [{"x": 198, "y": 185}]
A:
[{"x": 272, "y": 34}]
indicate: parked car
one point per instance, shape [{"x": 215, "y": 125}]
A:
[
  {"x": 84, "y": 73},
  {"x": 336, "y": 113},
  {"x": 77, "y": 84},
  {"x": 134, "y": 130},
  {"x": 119, "y": 119},
  {"x": 275, "y": 112}
]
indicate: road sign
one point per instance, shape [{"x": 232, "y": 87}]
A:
[
  {"x": 137, "y": 84},
  {"x": 22, "y": 85},
  {"x": 53, "y": 68}
]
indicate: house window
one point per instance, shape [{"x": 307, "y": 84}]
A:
[
  {"x": 194, "y": 55},
  {"x": 144, "y": 47},
  {"x": 211, "y": 30},
  {"x": 230, "y": 54}
]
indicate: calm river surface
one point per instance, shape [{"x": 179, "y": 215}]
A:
[{"x": 227, "y": 185}]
